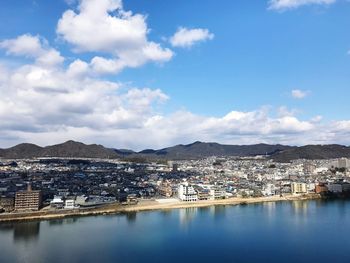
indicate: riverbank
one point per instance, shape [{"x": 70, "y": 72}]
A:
[{"x": 145, "y": 205}]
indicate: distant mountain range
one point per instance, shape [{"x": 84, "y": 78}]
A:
[
  {"x": 313, "y": 152},
  {"x": 196, "y": 150},
  {"x": 200, "y": 149},
  {"x": 67, "y": 149}
]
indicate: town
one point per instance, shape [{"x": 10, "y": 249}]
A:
[{"x": 55, "y": 184}]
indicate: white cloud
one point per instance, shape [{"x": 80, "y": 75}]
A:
[
  {"x": 299, "y": 94},
  {"x": 47, "y": 105},
  {"x": 38, "y": 98},
  {"x": 281, "y": 5},
  {"x": 44, "y": 99},
  {"x": 103, "y": 26},
  {"x": 24, "y": 45},
  {"x": 188, "y": 37},
  {"x": 47, "y": 101},
  {"x": 32, "y": 47}
]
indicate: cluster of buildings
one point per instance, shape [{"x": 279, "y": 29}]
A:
[
  {"x": 30, "y": 185},
  {"x": 192, "y": 193},
  {"x": 28, "y": 200}
]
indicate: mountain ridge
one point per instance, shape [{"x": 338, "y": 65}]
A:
[
  {"x": 195, "y": 150},
  {"x": 67, "y": 149}
]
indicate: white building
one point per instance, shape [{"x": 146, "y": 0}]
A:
[
  {"x": 187, "y": 193},
  {"x": 69, "y": 204},
  {"x": 57, "y": 202}
]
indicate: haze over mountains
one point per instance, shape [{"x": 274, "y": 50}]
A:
[{"x": 196, "y": 150}]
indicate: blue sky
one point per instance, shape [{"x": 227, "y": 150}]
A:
[{"x": 284, "y": 63}]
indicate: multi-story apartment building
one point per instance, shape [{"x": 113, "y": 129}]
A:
[
  {"x": 187, "y": 193},
  {"x": 299, "y": 188},
  {"x": 28, "y": 200}
]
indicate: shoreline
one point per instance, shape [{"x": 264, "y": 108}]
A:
[{"x": 145, "y": 205}]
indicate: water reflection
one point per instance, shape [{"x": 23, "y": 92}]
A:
[
  {"x": 186, "y": 215},
  {"x": 204, "y": 210},
  {"x": 219, "y": 211},
  {"x": 300, "y": 207},
  {"x": 270, "y": 232},
  {"x": 70, "y": 220},
  {"x": 340, "y": 206},
  {"x": 166, "y": 213},
  {"x": 270, "y": 209},
  {"x": 28, "y": 231},
  {"x": 131, "y": 217},
  {"x": 6, "y": 227}
]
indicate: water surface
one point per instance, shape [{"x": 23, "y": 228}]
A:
[{"x": 301, "y": 231}]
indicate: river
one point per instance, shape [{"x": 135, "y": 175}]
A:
[{"x": 298, "y": 231}]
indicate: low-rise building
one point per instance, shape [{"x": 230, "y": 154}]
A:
[
  {"x": 346, "y": 187},
  {"x": 203, "y": 194},
  {"x": 57, "y": 202},
  {"x": 321, "y": 188},
  {"x": 7, "y": 203},
  {"x": 131, "y": 199},
  {"x": 69, "y": 204},
  {"x": 335, "y": 187},
  {"x": 217, "y": 193}
]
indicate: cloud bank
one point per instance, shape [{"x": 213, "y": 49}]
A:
[{"x": 50, "y": 98}]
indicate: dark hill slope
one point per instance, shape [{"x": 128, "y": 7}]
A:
[
  {"x": 201, "y": 150},
  {"x": 67, "y": 149},
  {"x": 312, "y": 152}
]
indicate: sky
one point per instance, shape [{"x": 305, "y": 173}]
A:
[{"x": 152, "y": 73}]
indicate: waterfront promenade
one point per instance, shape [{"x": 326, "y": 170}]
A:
[{"x": 145, "y": 205}]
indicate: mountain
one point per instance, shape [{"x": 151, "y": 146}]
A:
[
  {"x": 124, "y": 152},
  {"x": 23, "y": 150},
  {"x": 67, "y": 149},
  {"x": 312, "y": 152},
  {"x": 198, "y": 150}
]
